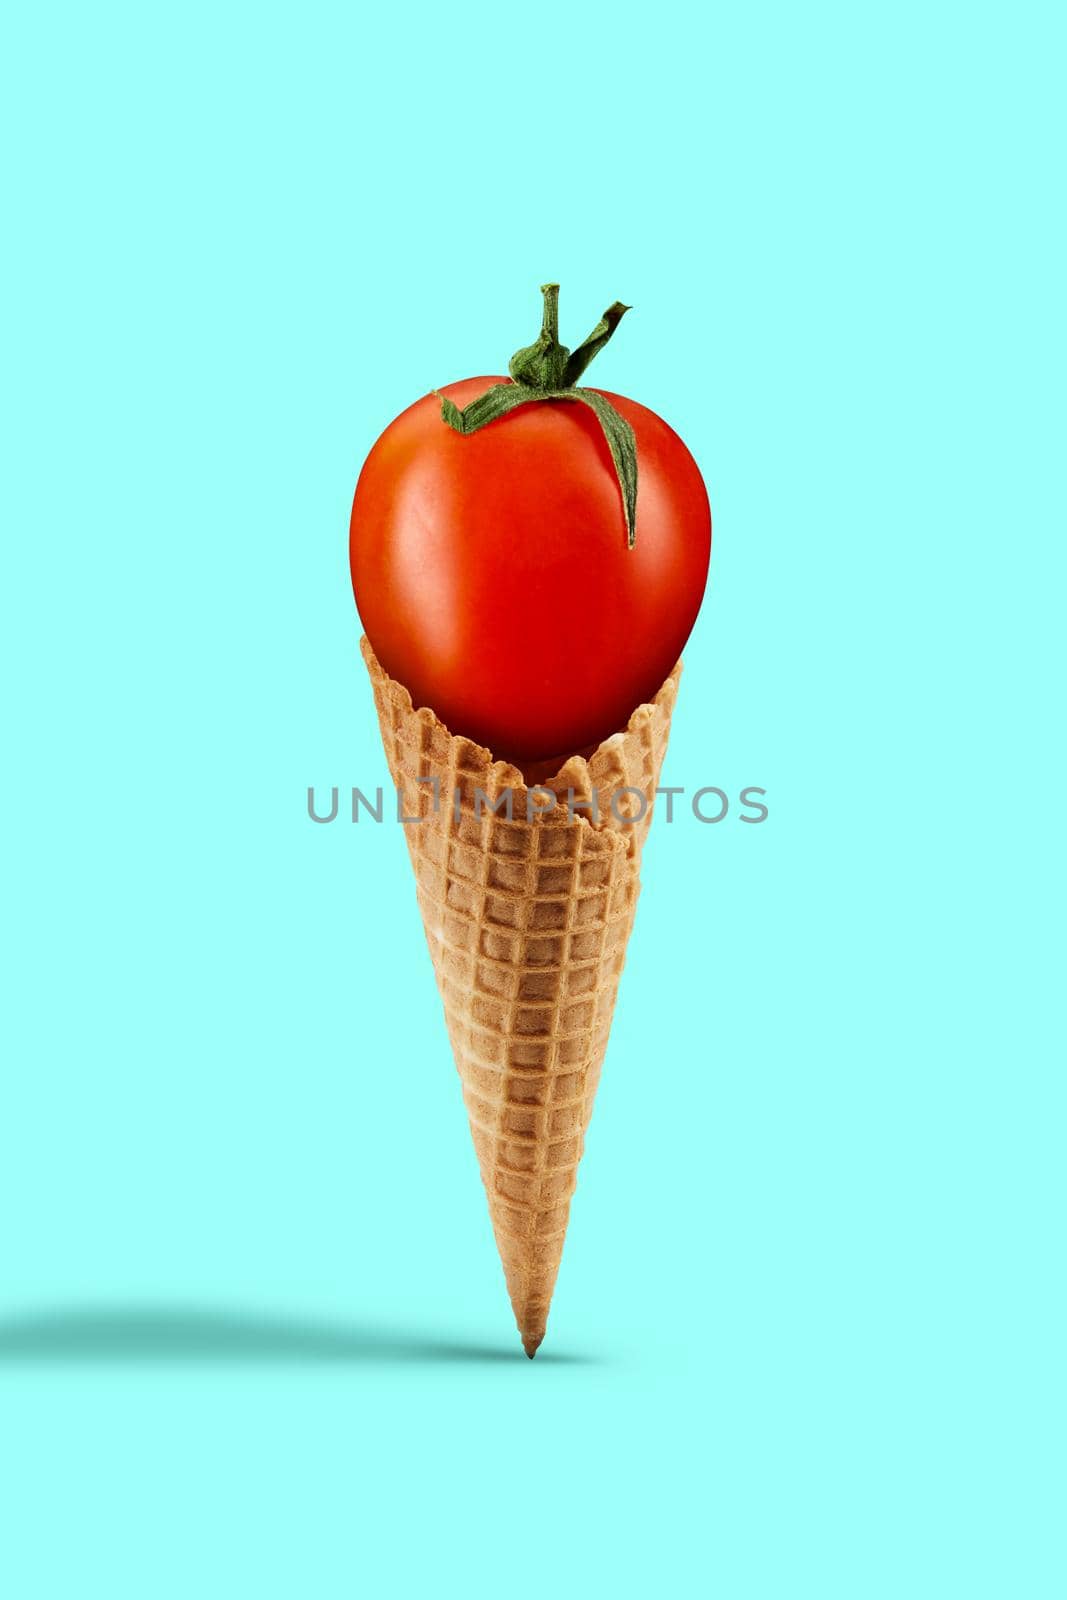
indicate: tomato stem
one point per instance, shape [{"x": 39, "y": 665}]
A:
[
  {"x": 550, "y": 319},
  {"x": 547, "y": 370}
]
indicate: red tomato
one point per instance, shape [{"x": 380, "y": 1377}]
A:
[{"x": 493, "y": 578}]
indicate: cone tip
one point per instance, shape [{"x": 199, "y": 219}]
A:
[{"x": 531, "y": 1342}]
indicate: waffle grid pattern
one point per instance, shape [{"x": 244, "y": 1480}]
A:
[{"x": 527, "y": 924}]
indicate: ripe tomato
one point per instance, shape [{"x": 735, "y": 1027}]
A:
[{"x": 493, "y": 578}]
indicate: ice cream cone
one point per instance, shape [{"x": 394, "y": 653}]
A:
[{"x": 527, "y": 920}]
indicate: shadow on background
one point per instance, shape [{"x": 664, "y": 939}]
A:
[{"x": 203, "y": 1336}]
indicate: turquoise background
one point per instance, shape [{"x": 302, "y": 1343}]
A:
[{"x": 808, "y": 1336}]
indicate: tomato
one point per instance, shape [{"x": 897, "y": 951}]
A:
[{"x": 493, "y": 576}]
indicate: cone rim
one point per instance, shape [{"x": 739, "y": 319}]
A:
[{"x": 506, "y": 773}]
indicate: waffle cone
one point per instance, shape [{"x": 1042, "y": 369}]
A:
[{"x": 527, "y": 924}]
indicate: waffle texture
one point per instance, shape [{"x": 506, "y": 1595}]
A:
[{"x": 527, "y": 921}]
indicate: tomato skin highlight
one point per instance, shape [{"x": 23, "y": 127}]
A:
[{"x": 492, "y": 574}]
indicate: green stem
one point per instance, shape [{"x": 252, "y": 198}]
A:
[
  {"x": 547, "y": 370},
  {"x": 550, "y": 319}
]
